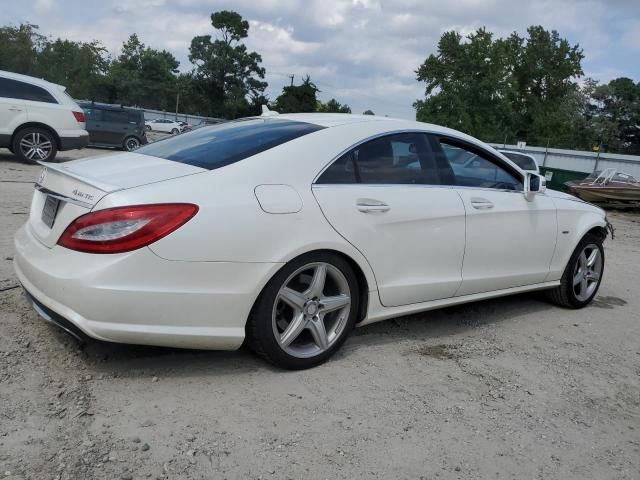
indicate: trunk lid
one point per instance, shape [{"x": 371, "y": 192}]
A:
[{"x": 66, "y": 191}]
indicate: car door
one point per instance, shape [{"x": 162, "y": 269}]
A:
[
  {"x": 115, "y": 126},
  {"x": 13, "y": 111},
  {"x": 510, "y": 239},
  {"x": 93, "y": 122},
  {"x": 384, "y": 197}
]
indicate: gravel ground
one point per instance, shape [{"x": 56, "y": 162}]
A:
[{"x": 508, "y": 388}]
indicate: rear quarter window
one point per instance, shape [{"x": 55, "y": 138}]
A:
[{"x": 226, "y": 143}]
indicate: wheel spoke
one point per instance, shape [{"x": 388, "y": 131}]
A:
[
  {"x": 319, "y": 332},
  {"x": 26, "y": 143},
  {"x": 595, "y": 276},
  {"x": 293, "y": 330},
  {"x": 583, "y": 260},
  {"x": 293, "y": 298},
  {"x": 583, "y": 286},
  {"x": 593, "y": 257},
  {"x": 30, "y": 153},
  {"x": 317, "y": 283},
  {"x": 46, "y": 144},
  {"x": 330, "y": 304},
  {"x": 577, "y": 279}
]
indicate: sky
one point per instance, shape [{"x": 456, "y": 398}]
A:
[{"x": 362, "y": 52}]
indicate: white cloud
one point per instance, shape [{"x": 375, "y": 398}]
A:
[{"x": 362, "y": 52}]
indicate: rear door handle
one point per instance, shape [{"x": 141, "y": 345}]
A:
[
  {"x": 15, "y": 109},
  {"x": 481, "y": 204},
  {"x": 372, "y": 206}
]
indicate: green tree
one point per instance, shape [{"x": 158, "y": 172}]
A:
[
  {"x": 519, "y": 88},
  {"x": 298, "y": 98},
  {"x": 332, "y": 106},
  {"x": 230, "y": 77},
  {"x": 368, "y": 112},
  {"x": 81, "y": 67},
  {"x": 19, "y": 48},
  {"x": 617, "y": 116},
  {"x": 144, "y": 76}
]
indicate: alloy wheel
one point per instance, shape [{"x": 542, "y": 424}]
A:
[
  {"x": 311, "y": 309},
  {"x": 36, "y": 146},
  {"x": 132, "y": 144},
  {"x": 587, "y": 272}
]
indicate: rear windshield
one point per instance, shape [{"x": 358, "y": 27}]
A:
[
  {"x": 219, "y": 145},
  {"x": 523, "y": 161}
]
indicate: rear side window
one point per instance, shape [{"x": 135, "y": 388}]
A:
[
  {"x": 403, "y": 158},
  {"x": 135, "y": 117},
  {"x": 115, "y": 116},
  {"x": 24, "y": 91},
  {"x": 219, "y": 145}
]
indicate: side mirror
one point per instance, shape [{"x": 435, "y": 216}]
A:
[{"x": 533, "y": 183}]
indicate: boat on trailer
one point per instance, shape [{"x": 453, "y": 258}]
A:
[{"x": 607, "y": 186}]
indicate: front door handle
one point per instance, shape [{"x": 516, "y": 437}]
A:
[
  {"x": 366, "y": 205},
  {"x": 481, "y": 204},
  {"x": 15, "y": 109}
]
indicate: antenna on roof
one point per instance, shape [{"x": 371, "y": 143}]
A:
[{"x": 267, "y": 113}]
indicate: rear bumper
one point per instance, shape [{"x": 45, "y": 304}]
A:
[
  {"x": 139, "y": 298},
  {"x": 71, "y": 143}
]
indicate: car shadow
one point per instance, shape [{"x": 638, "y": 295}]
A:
[{"x": 137, "y": 360}]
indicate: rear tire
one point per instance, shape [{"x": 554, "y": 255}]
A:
[
  {"x": 582, "y": 276},
  {"x": 305, "y": 313},
  {"x": 33, "y": 144},
  {"x": 130, "y": 144},
  {"x": 148, "y": 127},
  {"x": 175, "y": 131}
]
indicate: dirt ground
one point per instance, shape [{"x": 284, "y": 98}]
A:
[{"x": 508, "y": 388}]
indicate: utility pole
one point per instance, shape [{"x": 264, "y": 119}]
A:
[
  {"x": 291, "y": 77},
  {"x": 546, "y": 152},
  {"x": 177, "y": 103}
]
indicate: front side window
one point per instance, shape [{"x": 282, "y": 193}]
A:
[
  {"x": 92, "y": 113},
  {"x": 525, "y": 162},
  {"x": 403, "y": 158},
  {"x": 471, "y": 167},
  {"x": 225, "y": 143}
]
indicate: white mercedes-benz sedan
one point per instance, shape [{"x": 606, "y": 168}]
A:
[{"x": 287, "y": 231}]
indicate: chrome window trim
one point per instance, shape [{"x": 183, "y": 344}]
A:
[
  {"x": 396, "y": 132},
  {"x": 365, "y": 140}
]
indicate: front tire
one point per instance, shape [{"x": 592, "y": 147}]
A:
[
  {"x": 33, "y": 144},
  {"x": 582, "y": 276},
  {"x": 305, "y": 313},
  {"x": 175, "y": 131}
]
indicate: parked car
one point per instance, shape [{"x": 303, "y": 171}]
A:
[
  {"x": 524, "y": 161},
  {"x": 206, "y": 123},
  {"x": 287, "y": 231},
  {"x": 114, "y": 126},
  {"x": 164, "y": 125},
  {"x": 38, "y": 118},
  {"x": 186, "y": 127}
]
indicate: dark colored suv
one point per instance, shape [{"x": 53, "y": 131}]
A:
[{"x": 114, "y": 126}]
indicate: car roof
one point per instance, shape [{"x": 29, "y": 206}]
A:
[
  {"x": 106, "y": 106},
  {"x": 33, "y": 80}
]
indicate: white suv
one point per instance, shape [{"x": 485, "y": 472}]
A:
[{"x": 38, "y": 118}]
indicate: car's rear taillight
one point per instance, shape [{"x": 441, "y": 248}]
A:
[
  {"x": 122, "y": 229},
  {"x": 79, "y": 116}
]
